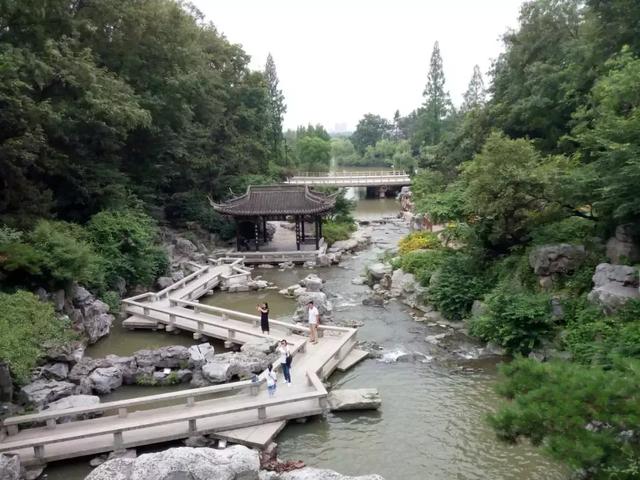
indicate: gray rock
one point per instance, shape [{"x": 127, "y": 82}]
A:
[
  {"x": 373, "y": 301},
  {"x": 349, "y": 245},
  {"x": 183, "y": 463},
  {"x": 43, "y": 392},
  {"x": 73, "y": 401},
  {"x": 614, "y": 285},
  {"x": 200, "y": 354},
  {"x": 308, "y": 473},
  {"x": 164, "y": 282},
  {"x": 378, "y": 270},
  {"x": 358, "y": 281},
  {"x": 56, "y": 371},
  {"x": 312, "y": 283},
  {"x": 174, "y": 356},
  {"x": 319, "y": 299},
  {"x": 70, "y": 353},
  {"x": 478, "y": 308},
  {"x": 58, "y": 298},
  {"x": 120, "y": 285},
  {"x": 80, "y": 295},
  {"x": 259, "y": 347},
  {"x": 6, "y": 383},
  {"x": 10, "y": 466},
  {"x": 92, "y": 316},
  {"x": 217, "y": 372},
  {"x": 354, "y": 399},
  {"x": 105, "y": 380},
  {"x": 177, "y": 275},
  {"x": 556, "y": 259},
  {"x": 622, "y": 248},
  {"x": 184, "y": 247},
  {"x": 42, "y": 294},
  {"x": 324, "y": 260},
  {"x": 127, "y": 365}
]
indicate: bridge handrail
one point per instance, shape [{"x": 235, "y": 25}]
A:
[
  {"x": 367, "y": 173},
  {"x": 110, "y": 429},
  {"x": 238, "y": 315},
  {"x": 205, "y": 321},
  {"x": 132, "y": 402}
]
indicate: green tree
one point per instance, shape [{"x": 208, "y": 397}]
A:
[
  {"x": 369, "y": 131},
  {"x": 314, "y": 153},
  {"x": 475, "y": 95},
  {"x": 437, "y": 104},
  {"x": 343, "y": 152},
  {"x": 276, "y": 109}
]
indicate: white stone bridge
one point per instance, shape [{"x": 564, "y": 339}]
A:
[
  {"x": 378, "y": 178},
  {"x": 240, "y": 412}
]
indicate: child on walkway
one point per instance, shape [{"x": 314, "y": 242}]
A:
[{"x": 271, "y": 381}]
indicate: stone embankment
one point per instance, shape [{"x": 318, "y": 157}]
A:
[{"x": 233, "y": 463}]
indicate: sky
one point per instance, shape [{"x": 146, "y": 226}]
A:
[{"x": 339, "y": 59}]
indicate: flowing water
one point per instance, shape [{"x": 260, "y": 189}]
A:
[{"x": 432, "y": 424}]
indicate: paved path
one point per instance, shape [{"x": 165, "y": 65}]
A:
[{"x": 241, "y": 412}]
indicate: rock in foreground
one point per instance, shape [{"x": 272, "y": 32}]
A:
[
  {"x": 233, "y": 463},
  {"x": 313, "y": 474},
  {"x": 354, "y": 399}
]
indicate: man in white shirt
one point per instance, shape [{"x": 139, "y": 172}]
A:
[{"x": 314, "y": 319}]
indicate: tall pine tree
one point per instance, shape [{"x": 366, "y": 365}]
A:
[
  {"x": 475, "y": 95},
  {"x": 437, "y": 103},
  {"x": 276, "y": 110}
]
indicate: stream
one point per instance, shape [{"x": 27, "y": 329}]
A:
[{"x": 432, "y": 424}]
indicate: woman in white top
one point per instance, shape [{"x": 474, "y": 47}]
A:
[
  {"x": 271, "y": 381},
  {"x": 285, "y": 360}
]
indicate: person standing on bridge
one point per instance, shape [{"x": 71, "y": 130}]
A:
[
  {"x": 314, "y": 319},
  {"x": 285, "y": 360},
  {"x": 271, "y": 381},
  {"x": 264, "y": 317}
]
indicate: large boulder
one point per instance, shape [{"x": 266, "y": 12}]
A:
[
  {"x": 319, "y": 299},
  {"x": 200, "y": 354},
  {"x": 42, "y": 392},
  {"x": 614, "y": 285},
  {"x": 308, "y": 473},
  {"x": 164, "y": 282},
  {"x": 183, "y": 463},
  {"x": 70, "y": 353},
  {"x": 259, "y": 346},
  {"x": 73, "y": 401},
  {"x": 90, "y": 315},
  {"x": 348, "y": 245},
  {"x": 127, "y": 365},
  {"x": 10, "y": 467},
  {"x": 312, "y": 283},
  {"x": 55, "y": 371},
  {"x": 354, "y": 399},
  {"x": 174, "y": 356},
  {"x": 184, "y": 247},
  {"x": 6, "y": 383},
  {"x": 105, "y": 380},
  {"x": 378, "y": 270},
  {"x": 556, "y": 259},
  {"x": 216, "y": 372},
  {"x": 622, "y": 248}
]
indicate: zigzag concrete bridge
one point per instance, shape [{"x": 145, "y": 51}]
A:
[
  {"x": 240, "y": 412},
  {"x": 378, "y": 178}
]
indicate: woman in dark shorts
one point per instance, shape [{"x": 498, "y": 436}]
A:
[{"x": 264, "y": 317}]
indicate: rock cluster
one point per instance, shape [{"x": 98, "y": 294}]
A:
[
  {"x": 549, "y": 261},
  {"x": 354, "y": 399},
  {"x": 309, "y": 290},
  {"x": 10, "y": 467},
  {"x": 614, "y": 285},
  {"x": 184, "y": 463},
  {"x": 622, "y": 247}
]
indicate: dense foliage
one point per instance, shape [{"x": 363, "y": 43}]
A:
[{"x": 27, "y": 328}]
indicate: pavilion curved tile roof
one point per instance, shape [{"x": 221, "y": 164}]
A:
[{"x": 265, "y": 200}]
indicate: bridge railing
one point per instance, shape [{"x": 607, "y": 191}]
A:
[
  {"x": 344, "y": 173},
  {"x": 118, "y": 428}
]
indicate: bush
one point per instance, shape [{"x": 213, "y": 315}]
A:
[
  {"x": 335, "y": 231},
  {"x": 54, "y": 254},
  {"x": 516, "y": 321},
  {"x": 189, "y": 207},
  {"x": 127, "y": 241},
  {"x": 418, "y": 241},
  {"x": 553, "y": 403},
  {"x": 459, "y": 281},
  {"x": 568, "y": 230},
  {"x": 422, "y": 263},
  {"x": 27, "y": 327}
]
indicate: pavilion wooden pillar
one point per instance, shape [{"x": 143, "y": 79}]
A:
[
  {"x": 319, "y": 226},
  {"x": 297, "y": 217},
  {"x": 237, "y": 234},
  {"x": 302, "y": 229},
  {"x": 257, "y": 232},
  {"x": 264, "y": 230},
  {"x": 316, "y": 223}
]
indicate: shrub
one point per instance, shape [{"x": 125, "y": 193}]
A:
[
  {"x": 516, "y": 321},
  {"x": 27, "y": 327},
  {"x": 553, "y": 403},
  {"x": 568, "y": 230},
  {"x": 335, "y": 231},
  {"x": 422, "y": 263},
  {"x": 189, "y": 207},
  {"x": 459, "y": 281},
  {"x": 127, "y": 241},
  {"x": 418, "y": 241},
  {"x": 54, "y": 254}
]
